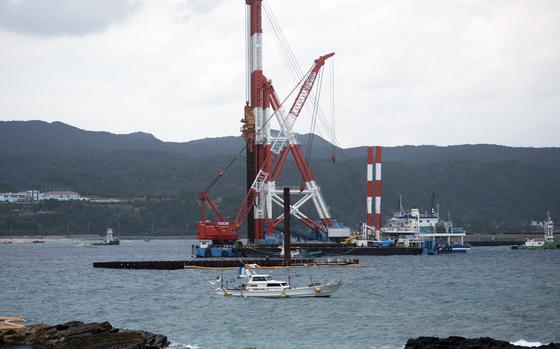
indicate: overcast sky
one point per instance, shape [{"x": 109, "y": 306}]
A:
[{"x": 405, "y": 72}]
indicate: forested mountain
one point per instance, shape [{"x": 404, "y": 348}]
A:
[{"x": 486, "y": 187}]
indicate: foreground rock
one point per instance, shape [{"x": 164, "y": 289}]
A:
[
  {"x": 465, "y": 343},
  {"x": 76, "y": 334}
]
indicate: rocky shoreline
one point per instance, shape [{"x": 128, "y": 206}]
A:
[
  {"x": 79, "y": 335},
  {"x": 76, "y": 334},
  {"x": 466, "y": 343}
]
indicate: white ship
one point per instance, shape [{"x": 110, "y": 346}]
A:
[
  {"x": 413, "y": 226},
  {"x": 262, "y": 285},
  {"x": 548, "y": 235}
]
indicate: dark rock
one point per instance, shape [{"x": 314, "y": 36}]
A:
[
  {"x": 82, "y": 329},
  {"x": 120, "y": 340},
  {"x": 154, "y": 341},
  {"x": 76, "y": 334},
  {"x": 465, "y": 343}
]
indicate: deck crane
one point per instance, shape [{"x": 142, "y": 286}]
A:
[{"x": 224, "y": 230}]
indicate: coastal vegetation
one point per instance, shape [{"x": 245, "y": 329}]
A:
[{"x": 483, "y": 187}]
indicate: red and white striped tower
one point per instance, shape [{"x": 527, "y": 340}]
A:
[
  {"x": 377, "y": 192},
  {"x": 369, "y": 200},
  {"x": 263, "y": 102},
  {"x": 256, "y": 90}
]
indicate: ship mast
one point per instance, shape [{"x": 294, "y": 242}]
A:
[{"x": 548, "y": 228}]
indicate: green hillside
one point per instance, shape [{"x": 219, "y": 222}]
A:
[{"x": 486, "y": 187}]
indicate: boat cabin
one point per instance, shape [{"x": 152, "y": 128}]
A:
[{"x": 263, "y": 282}]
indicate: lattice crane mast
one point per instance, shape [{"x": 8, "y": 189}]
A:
[{"x": 224, "y": 230}]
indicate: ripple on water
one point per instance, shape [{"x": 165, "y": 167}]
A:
[{"x": 493, "y": 292}]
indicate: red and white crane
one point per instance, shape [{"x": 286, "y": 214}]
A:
[{"x": 270, "y": 157}]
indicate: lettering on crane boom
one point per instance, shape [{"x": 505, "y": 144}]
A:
[
  {"x": 259, "y": 181},
  {"x": 303, "y": 94}
]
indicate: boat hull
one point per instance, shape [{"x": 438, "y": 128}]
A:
[
  {"x": 324, "y": 290},
  {"x": 454, "y": 249},
  {"x": 546, "y": 246},
  {"x": 110, "y": 243},
  {"x": 330, "y": 249}
]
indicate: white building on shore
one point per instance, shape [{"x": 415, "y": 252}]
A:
[
  {"x": 61, "y": 196},
  {"x": 16, "y": 197},
  {"x": 35, "y": 195}
]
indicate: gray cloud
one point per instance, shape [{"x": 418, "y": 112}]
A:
[
  {"x": 406, "y": 72},
  {"x": 186, "y": 9},
  {"x": 63, "y": 17}
]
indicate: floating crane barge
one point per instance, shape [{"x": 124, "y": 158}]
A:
[{"x": 266, "y": 155}]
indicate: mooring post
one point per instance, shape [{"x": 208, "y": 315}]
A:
[{"x": 287, "y": 232}]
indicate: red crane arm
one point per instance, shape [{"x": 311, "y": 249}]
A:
[
  {"x": 206, "y": 199},
  {"x": 223, "y": 230},
  {"x": 299, "y": 102},
  {"x": 308, "y": 85}
]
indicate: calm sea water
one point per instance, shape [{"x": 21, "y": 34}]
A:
[{"x": 494, "y": 292}]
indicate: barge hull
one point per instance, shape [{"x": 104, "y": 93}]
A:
[
  {"x": 219, "y": 263},
  {"x": 331, "y": 249}
]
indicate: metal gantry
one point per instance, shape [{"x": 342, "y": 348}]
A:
[{"x": 266, "y": 154}]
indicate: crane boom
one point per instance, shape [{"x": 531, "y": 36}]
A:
[
  {"x": 281, "y": 141},
  {"x": 223, "y": 230},
  {"x": 284, "y": 135},
  {"x": 308, "y": 85}
]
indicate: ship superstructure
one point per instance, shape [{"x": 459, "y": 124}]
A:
[
  {"x": 549, "y": 229},
  {"x": 436, "y": 234}
]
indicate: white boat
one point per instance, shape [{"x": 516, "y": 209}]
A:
[
  {"x": 534, "y": 243},
  {"x": 262, "y": 285}
]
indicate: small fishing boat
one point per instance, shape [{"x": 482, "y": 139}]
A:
[
  {"x": 458, "y": 248},
  {"x": 532, "y": 243},
  {"x": 262, "y": 285}
]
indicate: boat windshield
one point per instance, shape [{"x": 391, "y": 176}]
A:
[{"x": 261, "y": 278}]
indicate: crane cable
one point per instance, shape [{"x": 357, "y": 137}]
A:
[
  {"x": 232, "y": 161},
  {"x": 313, "y": 119},
  {"x": 295, "y": 71},
  {"x": 223, "y": 171}
]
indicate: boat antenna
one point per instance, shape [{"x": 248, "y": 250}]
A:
[{"x": 433, "y": 206}]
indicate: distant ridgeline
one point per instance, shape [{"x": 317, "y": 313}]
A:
[{"x": 486, "y": 187}]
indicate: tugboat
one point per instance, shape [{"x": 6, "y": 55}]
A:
[
  {"x": 109, "y": 241},
  {"x": 262, "y": 285}
]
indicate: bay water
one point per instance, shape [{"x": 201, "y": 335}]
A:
[{"x": 497, "y": 292}]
